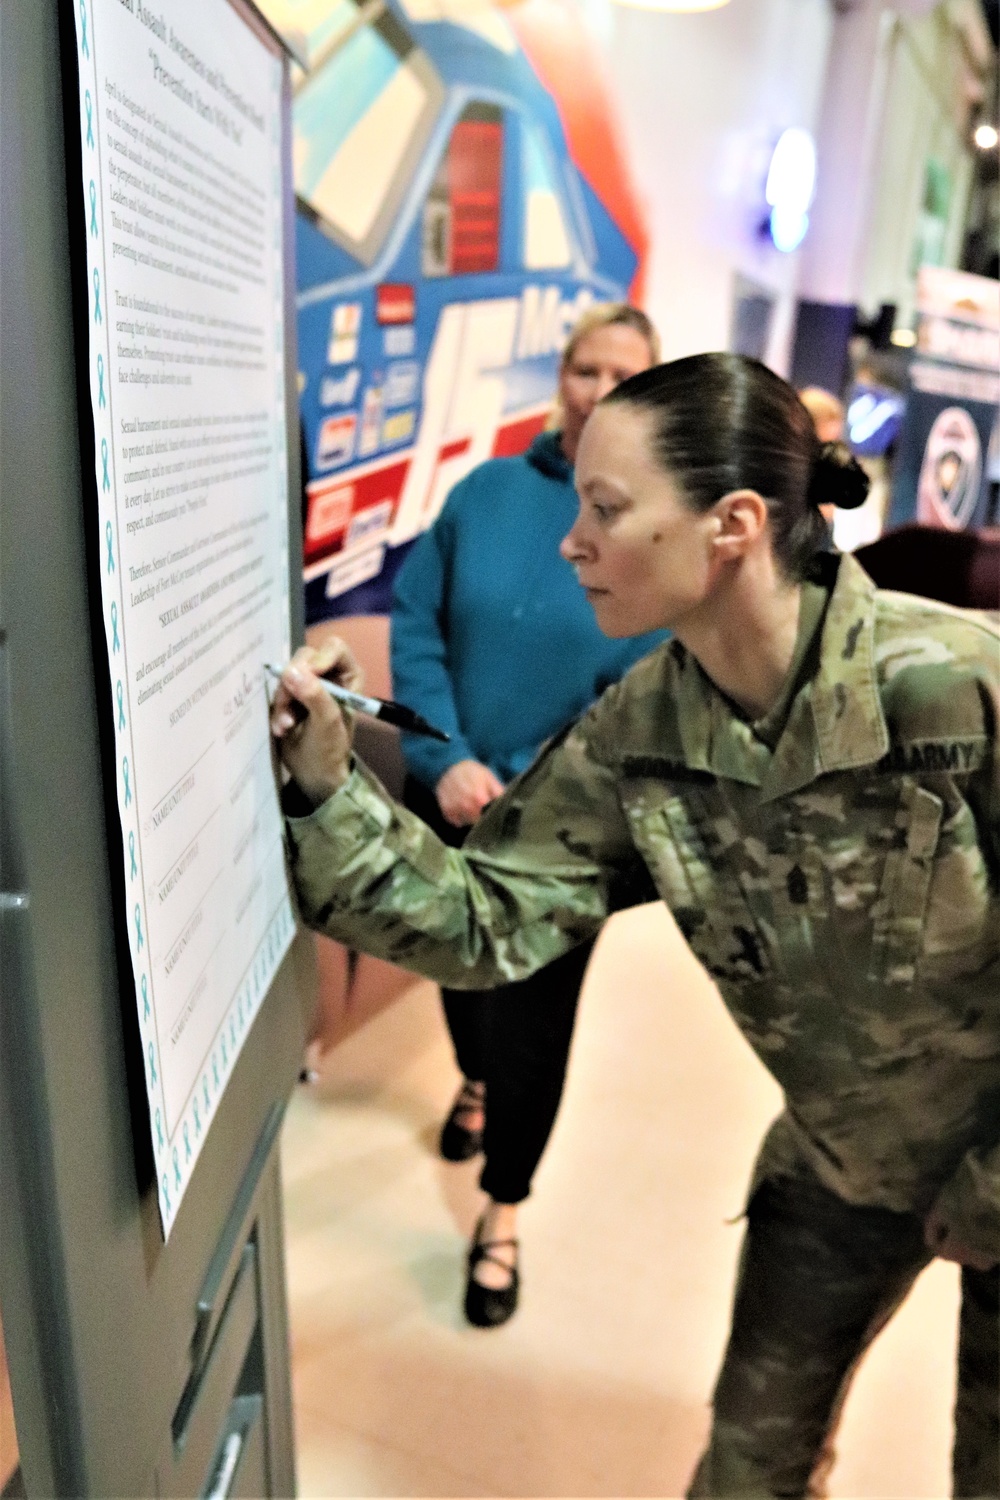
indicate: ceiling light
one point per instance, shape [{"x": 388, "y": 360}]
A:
[
  {"x": 903, "y": 338},
  {"x": 985, "y": 137},
  {"x": 791, "y": 182}
]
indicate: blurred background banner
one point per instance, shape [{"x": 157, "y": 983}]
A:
[
  {"x": 941, "y": 476},
  {"x": 462, "y": 198}
]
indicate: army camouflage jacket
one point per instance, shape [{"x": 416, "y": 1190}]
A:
[{"x": 842, "y": 885}]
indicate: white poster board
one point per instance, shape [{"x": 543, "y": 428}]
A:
[{"x": 180, "y": 121}]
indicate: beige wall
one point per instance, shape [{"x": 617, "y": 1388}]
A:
[
  {"x": 8, "y": 1437},
  {"x": 703, "y": 100},
  {"x": 353, "y": 988}
]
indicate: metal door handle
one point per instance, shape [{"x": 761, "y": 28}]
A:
[{"x": 225, "y": 1473}]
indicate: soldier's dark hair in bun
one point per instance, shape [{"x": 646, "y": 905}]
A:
[
  {"x": 837, "y": 478},
  {"x": 724, "y": 422}
]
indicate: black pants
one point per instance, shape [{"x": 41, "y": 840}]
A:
[
  {"x": 516, "y": 1039},
  {"x": 818, "y": 1279}
]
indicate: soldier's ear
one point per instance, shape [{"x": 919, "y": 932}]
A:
[{"x": 739, "y": 522}]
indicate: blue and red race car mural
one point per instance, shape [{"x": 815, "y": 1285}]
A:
[{"x": 462, "y": 198}]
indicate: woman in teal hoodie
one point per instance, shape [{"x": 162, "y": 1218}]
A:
[{"x": 494, "y": 640}]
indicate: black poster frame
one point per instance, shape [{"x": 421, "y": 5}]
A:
[
  {"x": 76, "y": 224},
  {"x": 128, "y": 1362}
]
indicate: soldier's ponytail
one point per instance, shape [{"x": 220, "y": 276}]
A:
[
  {"x": 837, "y": 478},
  {"x": 723, "y": 422}
]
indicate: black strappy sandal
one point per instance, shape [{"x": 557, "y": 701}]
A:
[
  {"x": 458, "y": 1142},
  {"x": 489, "y": 1306}
]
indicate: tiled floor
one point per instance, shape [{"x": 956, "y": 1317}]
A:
[{"x": 599, "y": 1385}]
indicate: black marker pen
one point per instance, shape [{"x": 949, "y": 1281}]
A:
[{"x": 377, "y": 708}]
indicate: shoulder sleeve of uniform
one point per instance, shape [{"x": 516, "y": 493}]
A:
[
  {"x": 939, "y": 671},
  {"x": 938, "y": 668}
]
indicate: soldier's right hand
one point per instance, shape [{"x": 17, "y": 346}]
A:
[{"x": 315, "y": 745}]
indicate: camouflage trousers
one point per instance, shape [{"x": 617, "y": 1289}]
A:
[{"x": 818, "y": 1279}]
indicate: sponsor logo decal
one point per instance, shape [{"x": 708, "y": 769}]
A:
[
  {"x": 345, "y": 326},
  {"x": 340, "y": 390},
  {"x": 958, "y": 343},
  {"x": 948, "y": 489},
  {"x": 335, "y": 444},
  {"x": 368, "y": 524},
  {"x": 400, "y": 341},
  {"x": 371, "y": 421},
  {"x": 399, "y": 427},
  {"x": 545, "y": 319},
  {"x": 329, "y": 512},
  {"x": 334, "y": 500},
  {"x": 395, "y": 302},
  {"x": 354, "y": 570},
  {"x": 401, "y": 382}
]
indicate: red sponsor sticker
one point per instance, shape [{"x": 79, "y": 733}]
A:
[
  {"x": 334, "y": 503},
  {"x": 329, "y": 513},
  {"x": 335, "y": 444},
  {"x": 395, "y": 302}
]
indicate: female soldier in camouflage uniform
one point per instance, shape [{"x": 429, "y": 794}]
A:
[{"x": 809, "y": 775}]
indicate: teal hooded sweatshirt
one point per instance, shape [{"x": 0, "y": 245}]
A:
[{"x": 492, "y": 638}]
